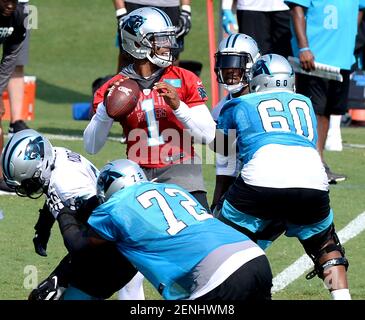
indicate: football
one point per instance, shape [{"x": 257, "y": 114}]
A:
[{"x": 122, "y": 98}]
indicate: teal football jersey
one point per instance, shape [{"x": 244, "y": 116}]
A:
[
  {"x": 275, "y": 117},
  {"x": 164, "y": 232}
]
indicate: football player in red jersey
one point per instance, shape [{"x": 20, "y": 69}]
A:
[{"x": 171, "y": 113}]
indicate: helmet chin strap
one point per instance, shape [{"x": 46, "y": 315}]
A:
[
  {"x": 234, "y": 88},
  {"x": 159, "y": 61}
]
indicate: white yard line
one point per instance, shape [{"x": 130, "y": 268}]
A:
[
  {"x": 72, "y": 138},
  {"x": 304, "y": 263},
  {"x": 354, "y": 145}
]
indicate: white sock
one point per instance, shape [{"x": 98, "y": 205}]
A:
[
  {"x": 335, "y": 126},
  {"x": 133, "y": 290},
  {"x": 341, "y": 294},
  {"x": 335, "y": 121},
  {"x": 334, "y": 139}
]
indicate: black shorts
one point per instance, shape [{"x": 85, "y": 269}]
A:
[
  {"x": 304, "y": 212},
  {"x": 251, "y": 282},
  {"x": 271, "y": 30},
  {"x": 327, "y": 96}
]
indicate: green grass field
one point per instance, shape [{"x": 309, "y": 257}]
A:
[{"x": 73, "y": 45}]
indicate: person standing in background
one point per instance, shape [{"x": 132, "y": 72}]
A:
[
  {"x": 16, "y": 82},
  {"x": 267, "y": 21},
  {"x": 319, "y": 27},
  {"x": 12, "y": 35}
]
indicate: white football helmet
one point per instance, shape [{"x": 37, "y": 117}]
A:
[
  {"x": 27, "y": 162},
  {"x": 145, "y": 30},
  {"x": 117, "y": 175},
  {"x": 237, "y": 51},
  {"x": 272, "y": 72}
]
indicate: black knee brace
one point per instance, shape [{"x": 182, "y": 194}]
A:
[{"x": 311, "y": 246}]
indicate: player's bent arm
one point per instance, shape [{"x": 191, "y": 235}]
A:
[
  {"x": 76, "y": 238},
  {"x": 199, "y": 120},
  {"x": 97, "y": 130}
]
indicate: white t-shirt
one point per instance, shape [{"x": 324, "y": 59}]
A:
[{"x": 262, "y": 5}]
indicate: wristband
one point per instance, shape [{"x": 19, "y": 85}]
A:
[
  {"x": 186, "y": 7},
  {"x": 120, "y": 12},
  {"x": 304, "y": 49}
]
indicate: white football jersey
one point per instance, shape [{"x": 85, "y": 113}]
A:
[{"x": 73, "y": 179}]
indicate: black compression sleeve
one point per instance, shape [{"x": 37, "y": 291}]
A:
[{"x": 74, "y": 234}]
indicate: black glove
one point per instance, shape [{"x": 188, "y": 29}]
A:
[
  {"x": 40, "y": 245},
  {"x": 43, "y": 231},
  {"x": 48, "y": 289},
  {"x": 184, "y": 25}
]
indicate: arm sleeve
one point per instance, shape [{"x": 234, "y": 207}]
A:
[
  {"x": 97, "y": 130},
  {"x": 199, "y": 120},
  {"x": 74, "y": 238}
]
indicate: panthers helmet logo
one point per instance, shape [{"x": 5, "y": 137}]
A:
[
  {"x": 35, "y": 149},
  {"x": 260, "y": 68},
  {"x": 107, "y": 177},
  {"x": 132, "y": 24}
]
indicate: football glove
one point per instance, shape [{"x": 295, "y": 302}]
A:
[
  {"x": 48, "y": 289},
  {"x": 43, "y": 231},
  {"x": 228, "y": 21},
  {"x": 184, "y": 25},
  {"x": 40, "y": 245}
]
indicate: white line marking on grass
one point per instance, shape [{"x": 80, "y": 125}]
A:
[
  {"x": 304, "y": 263},
  {"x": 354, "y": 145},
  {"x": 73, "y": 138},
  {"x": 4, "y": 193}
]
